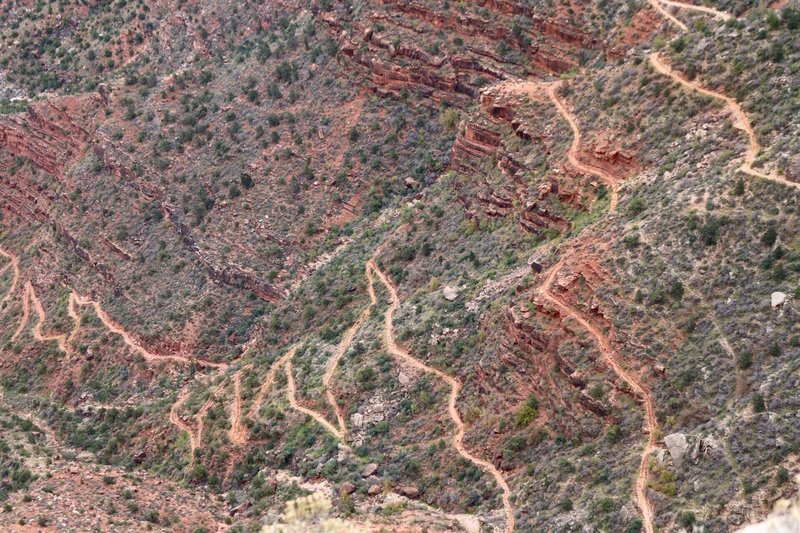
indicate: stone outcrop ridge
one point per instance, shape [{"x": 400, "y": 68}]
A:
[{"x": 48, "y": 136}]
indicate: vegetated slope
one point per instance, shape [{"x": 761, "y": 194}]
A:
[{"x": 591, "y": 297}]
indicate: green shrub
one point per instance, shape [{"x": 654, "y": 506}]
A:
[{"x": 759, "y": 406}]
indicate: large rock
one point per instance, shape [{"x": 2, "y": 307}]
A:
[
  {"x": 450, "y": 293},
  {"x": 677, "y": 446},
  {"x": 369, "y": 470},
  {"x": 347, "y": 488},
  {"x": 409, "y": 491},
  {"x": 778, "y": 298}
]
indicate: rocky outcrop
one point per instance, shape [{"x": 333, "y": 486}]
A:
[
  {"x": 606, "y": 156},
  {"x": 475, "y": 144},
  {"x": 47, "y": 135}
]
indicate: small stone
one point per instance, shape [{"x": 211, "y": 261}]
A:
[{"x": 450, "y": 293}]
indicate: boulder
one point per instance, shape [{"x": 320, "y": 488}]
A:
[
  {"x": 369, "y": 470},
  {"x": 240, "y": 508},
  {"x": 409, "y": 491},
  {"x": 677, "y": 445},
  {"x": 374, "y": 490},
  {"x": 347, "y": 488},
  {"x": 778, "y": 298},
  {"x": 450, "y": 293}
]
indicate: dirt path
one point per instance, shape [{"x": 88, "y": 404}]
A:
[
  {"x": 176, "y": 419},
  {"x": 238, "y": 431},
  {"x": 455, "y": 389},
  {"x": 134, "y": 345},
  {"x": 30, "y": 298},
  {"x": 341, "y": 349},
  {"x": 15, "y": 280},
  {"x": 201, "y": 414},
  {"x": 195, "y": 437},
  {"x": 658, "y": 6},
  {"x": 740, "y": 122},
  {"x": 572, "y": 154},
  {"x": 291, "y": 395},
  {"x": 269, "y": 380},
  {"x": 703, "y": 9},
  {"x": 610, "y": 355}
]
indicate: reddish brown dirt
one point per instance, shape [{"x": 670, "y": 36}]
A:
[
  {"x": 238, "y": 431},
  {"x": 612, "y": 358}
]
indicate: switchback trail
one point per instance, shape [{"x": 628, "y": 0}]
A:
[
  {"x": 30, "y": 298},
  {"x": 341, "y": 349},
  {"x": 285, "y": 362},
  {"x": 703, "y": 9},
  {"x": 269, "y": 380},
  {"x": 572, "y": 154},
  {"x": 455, "y": 389},
  {"x": 740, "y": 121},
  {"x": 128, "y": 339},
  {"x": 238, "y": 431},
  {"x": 610, "y": 355},
  {"x": 176, "y": 419},
  {"x": 195, "y": 437},
  {"x": 291, "y": 396}
]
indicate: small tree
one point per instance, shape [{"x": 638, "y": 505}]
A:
[{"x": 759, "y": 406}]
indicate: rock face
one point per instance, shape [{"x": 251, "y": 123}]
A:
[
  {"x": 677, "y": 445},
  {"x": 785, "y": 518}
]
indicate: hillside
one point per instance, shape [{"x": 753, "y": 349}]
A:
[{"x": 400, "y": 265}]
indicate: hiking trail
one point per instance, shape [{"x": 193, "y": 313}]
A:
[
  {"x": 572, "y": 154},
  {"x": 455, "y": 389},
  {"x": 341, "y": 349},
  {"x": 238, "y": 431},
  {"x": 740, "y": 121},
  {"x": 610, "y": 355}
]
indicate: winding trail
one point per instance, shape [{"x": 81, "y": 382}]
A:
[
  {"x": 176, "y": 420},
  {"x": 610, "y": 355},
  {"x": 291, "y": 395},
  {"x": 740, "y": 122},
  {"x": 341, "y": 349},
  {"x": 195, "y": 437},
  {"x": 30, "y": 298},
  {"x": 285, "y": 362},
  {"x": 269, "y": 380},
  {"x": 659, "y": 6},
  {"x": 238, "y": 431},
  {"x": 129, "y": 340},
  {"x": 574, "y": 149},
  {"x": 455, "y": 389},
  {"x": 703, "y": 9}
]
